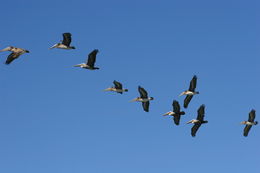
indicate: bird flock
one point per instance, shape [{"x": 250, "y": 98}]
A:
[{"x": 176, "y": 113}]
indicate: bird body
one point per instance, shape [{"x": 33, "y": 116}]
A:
[
  {"x": 143, "y": 98},
  {"x": 90, "y": 64},
  {"x": 117, "y": 88},
  {"x": 250, "y": 122},
  {"x": 16, "y": 52},
  {"x": 65, "y": 44},
  {"x": 190, "y": 92},
  {"x": 176, "y": 113},
  {"x": 199, "y": 121}
]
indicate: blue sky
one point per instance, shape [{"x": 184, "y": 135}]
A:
[{"x": 55, "y": 118}]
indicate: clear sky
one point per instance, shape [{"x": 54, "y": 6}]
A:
[{"x": 55, "y": 118}]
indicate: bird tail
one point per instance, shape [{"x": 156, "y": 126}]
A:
[
  {"x": 126, "y": 90},
  {"x": 256, "y": 122}
]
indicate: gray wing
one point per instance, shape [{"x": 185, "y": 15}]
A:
[
  {"x": 11, "y": 57},
  {"x": 187, "y": 100},
  {"x": 143, "y": 93},
  {"x": 92, "y": 58},
  {"x": 194, "y": 129},
  {"x": 193, "y": 83},
  {"x": 176, "y": 106},
  {"x": 176, "y": 119},
  {"x": 251, "y": 116},
  {"x": 201, "y": 112},
  {"x": 146, "y": 106},
  {"x": 118, "y": 85},
  {"x": 66, "y": 39},
  {"x": 247, "y": 129}
]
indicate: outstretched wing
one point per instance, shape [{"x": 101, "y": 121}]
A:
[
  {"x": 251, "y": 116},
  {"x": 176, "y": 119},
  {"x": 193, "y": 83},
  {"x": 146, "y": 106},
  {"x": 11, "y": 57},
  {"x": 247, "y": 129},
  {"x": 143, "y": 93},
  {"x": 194, "y": 129},
  {"x": 66, "y": 39},
  {"x": 176, "y": 106},
  {"x": 118, "y": 85},
  {"x": 187, "y": 100},
  {"x": 92, "y": 58},
  {"x": 201, "y": 112}
]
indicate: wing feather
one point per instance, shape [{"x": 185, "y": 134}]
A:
[
  {"x": 176, "y": 106},
  {"x": 146, "y": 106},
  {"x": 201, "y": 112},
  {"x": 251, "y": 116},
  {"x": 187, "y": 100},
  {"x": 194, "y": 129},
  {"x": 143, "y": 92},
  {"x": 11, "y": 57},
  {"x": 118, "y": 85},
  {"x": 193, "y": 83},
  {"x": 66, "y": 39},
  {"x": 92, "y": 58},
  {"x": 247, "y": 129}
]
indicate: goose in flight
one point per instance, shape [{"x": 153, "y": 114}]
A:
[
  {"x": 65, "y": 44},
  {"x": 197, "y": 122},
  {"x": 117, "y": 88},
  {"x": 176, "y": 113},
  {"x": 90, "y": 64},
  {"x": 16, "y": 52},
  {"x": 143, "y": 98},
  {"x": 250, "y": 122},
  {"x": 189, "y": 93}
]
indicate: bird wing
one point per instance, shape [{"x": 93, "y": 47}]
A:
[
  {"x": 251, "y": 116},
  {"x": 193, "y": 83},
  {"x": 11, "y": 57},
  {"x": 195, "y": 128},
  {"x": 176, "y": 119},
  {"x": 92, "y": 58},
  {"x": 201, "y": 112},
  {"x": 143, "y": 93},
  {"x": 187, "y": 100},
  {"x": 6, "y": 49},
  {"x": 146, "y": 106},
  {"x": 176, "y": 106},
  {"x": 247, "y": 129},
  {"x": 118, "y": 85},
  {"x": 66, "y": 39}
]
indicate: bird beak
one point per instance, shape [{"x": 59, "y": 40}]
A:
[
  {"x": 134, "y": 100},
  {"x": 165, "y": 114},
  {"x": 181, "y": 94},
  {"x": 106, "y": 89},
  {"x": 188, "y": 122},
  {"x": 78, "y": 65}
]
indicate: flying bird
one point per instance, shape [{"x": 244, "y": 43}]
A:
[
  {"x": 90, "y": 64},
  {"x": 117, "y": 88},
  {"x": 143, "y": 98},
  {"x": 16, "y": 52},
  {"x": 250, "y": 122},
  {"x": 197, "y": 122},
  {"x": 189, "y": 93},
  {"x": 65, "y": 44},
  {"x": 176, "y": 113}
]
